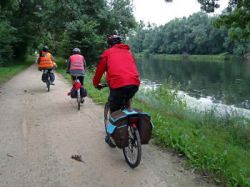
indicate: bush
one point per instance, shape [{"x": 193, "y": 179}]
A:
[{"x": 6, "y": 42}]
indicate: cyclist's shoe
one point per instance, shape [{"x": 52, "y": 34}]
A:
[
  {"x": 82, "y": 100},
  {"x": 52, "y": 83},
  {"x": 109, "y": 142}
]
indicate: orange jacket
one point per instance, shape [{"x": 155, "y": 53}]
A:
[{"x": 45, "y": 61}]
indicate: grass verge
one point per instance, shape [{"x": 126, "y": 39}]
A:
[{"x": 9, "y": 71}]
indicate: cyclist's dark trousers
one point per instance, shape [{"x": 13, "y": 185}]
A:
[
  {"x": 119, "y": 97},
  {"x": 80, "y": 78}
]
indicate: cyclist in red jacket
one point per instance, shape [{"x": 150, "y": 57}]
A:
[{"x": 121, "y": 72}]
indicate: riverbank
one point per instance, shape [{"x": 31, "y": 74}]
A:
[
  {"x": 186, "y": 57},
  {"x": 9, "y": 71},
  {"x": 218, "y": 148}
]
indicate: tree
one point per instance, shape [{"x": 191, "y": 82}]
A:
[
  {"x": 193, "y": 35},
  {"x": 62, "y": 25},
  {"x": 236, "y": 16}
]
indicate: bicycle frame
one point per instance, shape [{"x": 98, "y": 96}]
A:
[{"x": 77, "y": 85}]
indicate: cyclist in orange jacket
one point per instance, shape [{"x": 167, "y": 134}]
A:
[{"x": 46, "y": 61}]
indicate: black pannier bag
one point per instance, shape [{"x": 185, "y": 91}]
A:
[
  {"x": 44, "y": 77},
  {"x": 119, "y": 120},
  {"x": 73, "y": 92},
  {"x": 118, "y": 126},
  {"x": 83, "y": 92},
  {"x": 145, "y": 127}
]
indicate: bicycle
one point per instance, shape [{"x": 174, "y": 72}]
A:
[
  {"x": 46, "y": 77},
  {"x": 77, "y": 86},
  {"x": 133, "y": 151}
]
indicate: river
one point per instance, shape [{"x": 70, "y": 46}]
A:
[{"x": 210, "y": 84}]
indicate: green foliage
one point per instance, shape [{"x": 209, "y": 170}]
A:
[
  {"x": 62, "y": 25},
  {"x": 6, "y": 43},
  {"x": 84, "y": 35},
  {"x": 9, "y": 71},
  {"x": 193, "y": 35},
  {"x": 120, "y": 16},
  {"x": 236, "y": 16},
  {"x": 165, "y": 97},
  {"x": 209, "y": 5},
  {"x": 86, "y": 27}
]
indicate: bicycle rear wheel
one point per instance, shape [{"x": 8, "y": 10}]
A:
[
  {"x": 48, "y": 84},
  {"x": 106, "y": 115},
  {"x": 133, "y": 152},
  {"x": 78, "y": 99}
]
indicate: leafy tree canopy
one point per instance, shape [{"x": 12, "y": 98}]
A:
[{"x": 62, "y": 25}]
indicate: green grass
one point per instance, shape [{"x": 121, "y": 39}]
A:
[
  {"x": 8, "y": 72},
  {"x": 192, "y": 58},
  {"x": 215, "y": 147}
]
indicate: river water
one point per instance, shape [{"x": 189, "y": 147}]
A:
[{"x": 202, "y": 83}]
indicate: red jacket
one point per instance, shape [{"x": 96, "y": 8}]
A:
[{"x": 120, "y": 67}]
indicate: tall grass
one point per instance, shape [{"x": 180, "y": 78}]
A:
[{"x": 216, "y": 146}]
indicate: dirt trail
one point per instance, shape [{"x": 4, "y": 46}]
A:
[{"x": 40, "y": 130}]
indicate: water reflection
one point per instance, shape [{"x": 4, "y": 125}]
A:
[{"x": 227, "y": 83}]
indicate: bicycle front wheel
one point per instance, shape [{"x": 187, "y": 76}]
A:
[{"x": 133, "y": 152}]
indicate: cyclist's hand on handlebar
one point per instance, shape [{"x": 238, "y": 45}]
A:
[{"x": 99, "y": 86}]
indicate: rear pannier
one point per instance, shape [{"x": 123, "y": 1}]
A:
[
  {"x": 118, "y": 126},
  {"x": 118, "y": 122},
  {"x": 73, "y": 92},
  {"x": 145, "y": 128},
  {"x": 44, "y": 77}
]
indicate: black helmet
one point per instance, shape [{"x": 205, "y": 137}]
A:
[
  {"x": 45, "y": 48},
  {"x": 76, "y": 51},
  {"x": 114, "y": 39}
]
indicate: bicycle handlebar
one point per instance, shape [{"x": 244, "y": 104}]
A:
[{"x": 101, "y": 86}]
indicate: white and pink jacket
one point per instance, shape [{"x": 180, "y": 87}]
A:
[{"x": 76, "y": 64}]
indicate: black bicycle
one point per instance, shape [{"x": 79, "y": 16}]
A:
[
  {"x": 46, "y": 77},
  {"x": 77, "y": 87},
  {"x": 133, "y": 151}
]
